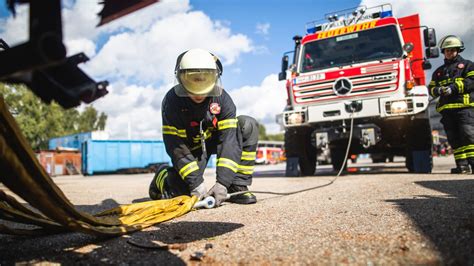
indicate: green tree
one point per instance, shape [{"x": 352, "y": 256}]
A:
[
  {"x": 276, "y": 137},
  {"x": 100, "y": 124},
  {"x": 39, "y": 122},
  {"x": 262, "y": 134}
]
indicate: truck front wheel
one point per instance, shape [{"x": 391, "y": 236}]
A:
[
  {"x": 337, "y": 158},
  {"x": 419, "y": 158},
  {"x": 298, "y": 145}
]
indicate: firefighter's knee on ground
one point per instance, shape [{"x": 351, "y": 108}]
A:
[
  {"x": 249, "y": 128},
  {"x": 167, "y": 183},
  {"x": 156, "y": 188}
]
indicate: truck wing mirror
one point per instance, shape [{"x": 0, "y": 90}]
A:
[
  {"x": 282, "y": 76},
  {"x": 429, "y": 36},
  {"x": 426, "y": 64},
  {"x": 408, "y": 47},
  {"x": 432, "y": 52},
  {"x": 284, "y": 67}
]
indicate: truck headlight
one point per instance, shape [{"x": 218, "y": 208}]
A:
[
  {"x": 398, "y": 107},
  {"x": 294, "y": 118}
]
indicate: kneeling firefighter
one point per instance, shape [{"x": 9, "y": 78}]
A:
[{"x": 199, "y": 119}]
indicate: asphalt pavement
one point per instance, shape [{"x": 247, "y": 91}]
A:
[{"x": 373, "y": 214}]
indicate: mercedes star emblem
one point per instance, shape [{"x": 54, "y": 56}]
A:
[{"x": 342, "y": 86}]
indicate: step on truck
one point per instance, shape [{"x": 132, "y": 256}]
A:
[{"x": 365, "y": 66}]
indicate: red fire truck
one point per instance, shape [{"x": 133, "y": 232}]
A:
[
  {"x": 270, "y": 152},
  {"x": 365, "y": 66}
]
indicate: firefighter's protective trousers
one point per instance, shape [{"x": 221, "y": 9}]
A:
[
  {"x": 457, "y": 109},
  {"x": 459, "y": 127}
]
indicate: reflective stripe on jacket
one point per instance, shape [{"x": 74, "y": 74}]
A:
[{"x": 458, "y": 74}]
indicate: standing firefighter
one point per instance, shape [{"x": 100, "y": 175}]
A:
[
  {"x": 453, "y": 82},
  {"x": 199, "y": 119}
]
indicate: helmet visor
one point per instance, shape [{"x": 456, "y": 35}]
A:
[{"x": 201, "y": 82}]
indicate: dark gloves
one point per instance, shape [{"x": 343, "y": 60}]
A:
[
  {"x": 444, "y": 91},
  {"x": 219, "y": 192}
]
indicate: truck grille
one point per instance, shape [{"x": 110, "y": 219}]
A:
[{"x": 367, "y": 84}]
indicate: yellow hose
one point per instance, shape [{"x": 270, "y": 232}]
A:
[{"x": 23, "y": 175}]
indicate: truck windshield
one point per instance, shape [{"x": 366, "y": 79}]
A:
[{"x": 375, "y": 44}]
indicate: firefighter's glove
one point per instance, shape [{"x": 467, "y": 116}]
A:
[
  {"x": 219, "y": 192},
  {"x": 443, "y": 91},
  {"x": 437, "y": 91},
  {"x": 448, "y": 90},
  {"x": 199, "y": 191}
]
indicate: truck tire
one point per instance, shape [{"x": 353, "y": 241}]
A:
[
  {"x": 378, "y": 158},
  {"x": 298, "y": 145},
  {"x": 409, "y": 162},
  {"x": 337, "y": 159},
  {"x": 419, "y": 157},
  {"x": 382, "y": 158},
  {"x": 391, "y": 158}
]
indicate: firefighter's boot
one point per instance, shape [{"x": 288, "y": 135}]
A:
[
  {"x": 461, "y": 169},
  {"x": 244, "y": 198}
]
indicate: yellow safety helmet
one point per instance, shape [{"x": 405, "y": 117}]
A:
[
  {"x": 198, "y": 73},
  {"x": 451, "y": 41}
]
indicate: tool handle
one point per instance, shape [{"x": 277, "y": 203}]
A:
[{"x": 208, "y": 203}]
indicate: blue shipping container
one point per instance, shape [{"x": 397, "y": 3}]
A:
[
  {"x": 75, "y": 140},
  {"x": 70, "y": 141},
  {"x": 112, "y": 155}
]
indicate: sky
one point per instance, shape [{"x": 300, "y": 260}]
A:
[{"x": 137, "y": 53}]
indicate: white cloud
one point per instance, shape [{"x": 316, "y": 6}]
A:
[
  {"x": 138, "y": 105},
  {"x": 447, "y": 17},
  {"x": 80, "y": 20},
  {"x": 15, "y": 30},
  {"x": 150, "y": 56},
  {"x": 262, "y": 102},
  {"x": 261, "y": 50},
  {"x": 236, "y": 70},
  {"x": 262, "y": 28},
  {"x": 79, "y": 45}
]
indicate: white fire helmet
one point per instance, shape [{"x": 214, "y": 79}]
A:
[{"x": 198, "y": 74}]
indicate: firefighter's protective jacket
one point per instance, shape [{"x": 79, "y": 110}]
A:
[
  {"x": 181, "y": 134},
  {"x": 457, "y": 73}
]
